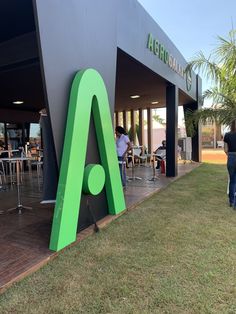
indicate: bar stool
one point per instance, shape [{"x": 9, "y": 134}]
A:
[
  {"x": 39, "y": 166},
  {"x": 12, "y": 170},
  {"x": 3, "y": 180},
  {"x": 133, "y": 176}
]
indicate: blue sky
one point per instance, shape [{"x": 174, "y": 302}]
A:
[{"x": 193, "y": 25}]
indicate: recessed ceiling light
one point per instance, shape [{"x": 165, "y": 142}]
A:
[
  {"x": 18, "y": 102},
  {"x": 154, "y": 102},
  {"x": 134, "y": 96}
]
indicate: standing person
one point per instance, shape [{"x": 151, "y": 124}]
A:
[
  {"x": 230, "y": 150},
  {"x": 161, "y": 154},
  {"x": 123, "y": 145}
]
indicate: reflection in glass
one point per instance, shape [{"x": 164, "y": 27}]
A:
[{"x": 34, "y": 137}]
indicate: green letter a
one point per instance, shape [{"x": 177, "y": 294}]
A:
[{"x": 88, "y": 95}]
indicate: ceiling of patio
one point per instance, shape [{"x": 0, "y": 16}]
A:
[
  {"x": 22, "y": 80},
  {"x": 16, "y": 18},
  {"x": 133, "y": 78}
]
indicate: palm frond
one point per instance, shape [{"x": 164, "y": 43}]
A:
[
  {"x": 220, "y": 67},
  {"x": 205, "y": 66}
]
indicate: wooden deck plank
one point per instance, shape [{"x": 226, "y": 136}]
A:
[{"x": 24, "y": 239}]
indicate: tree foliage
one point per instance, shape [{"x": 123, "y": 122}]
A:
[
  {"x": 157, "y": 118},
  {"x": 220, "y": 69}
]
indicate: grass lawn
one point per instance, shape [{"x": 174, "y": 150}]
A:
[{"x": 175, "y": 253}]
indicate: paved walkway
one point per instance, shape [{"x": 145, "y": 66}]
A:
[{"x": 214, "y": 156}]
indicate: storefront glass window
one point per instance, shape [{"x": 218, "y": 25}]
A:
[
  {"x": 14, "y": 135},
  {"x": 35, "y": 135},
  {"x": 2, "y": 137}
]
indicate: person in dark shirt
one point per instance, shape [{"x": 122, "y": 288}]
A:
[
  {"x": 160, "y": 153},
  {"x": 2, "y": 148},
  {"x": 230, "y": 150}
]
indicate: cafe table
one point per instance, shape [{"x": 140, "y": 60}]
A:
[{"x": 19, "y": 207}]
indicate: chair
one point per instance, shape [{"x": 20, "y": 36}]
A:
[
  {"x": 162, "y": 163},
  {"x": 3, "y": 180},
  {"x": 138, "y": 154},
  {"x": 38, "y": 162},
  {"x": 11, "y": 170},
  {"x": 39, "y": 166}
]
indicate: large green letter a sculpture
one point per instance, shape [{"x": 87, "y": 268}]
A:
[{"x": 88, "y": 96}]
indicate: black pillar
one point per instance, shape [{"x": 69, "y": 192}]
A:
[
  {"x": 196, "y": 139},
  {"x": 50, "y": 168},
  {"x": 116, "y": 119},
  {"x": 141, "y": 127},
  {"x": 172, "y": 99},
  {"x": 149, "y": 130},
  {"x": 133, "y": 127}
]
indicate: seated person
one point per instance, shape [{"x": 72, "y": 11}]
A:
[
  {"x": 34, "y": 146},
  {"x": 6, "y": 154},
  {"x": 21, "y": 151},
  {"x": 2, "y": 146},
  {"x": 161, "y": 154}
]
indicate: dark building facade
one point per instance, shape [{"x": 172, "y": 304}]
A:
[{"x": 43, "y": 44}]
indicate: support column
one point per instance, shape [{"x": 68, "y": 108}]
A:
[
  {"x": 141, "y": 127},
  {"x": 116, "y": 119},
  {"x": 196, "y": 149},
  {"x": 172, "y": 100},
  {"x": 133, "y": 126},
  {"x": 119, "y": 118},
  {"x": 125, "y": 118},
  {"x": 149, "y": 130},
  {"x": 196, "y": 139}
]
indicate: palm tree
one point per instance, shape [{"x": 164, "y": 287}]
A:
[
  {"x": 220, "y": 69},
  {"x": 157, "y": 118}
]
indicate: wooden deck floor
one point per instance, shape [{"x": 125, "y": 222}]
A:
[{"x": 24, "y": 239}]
